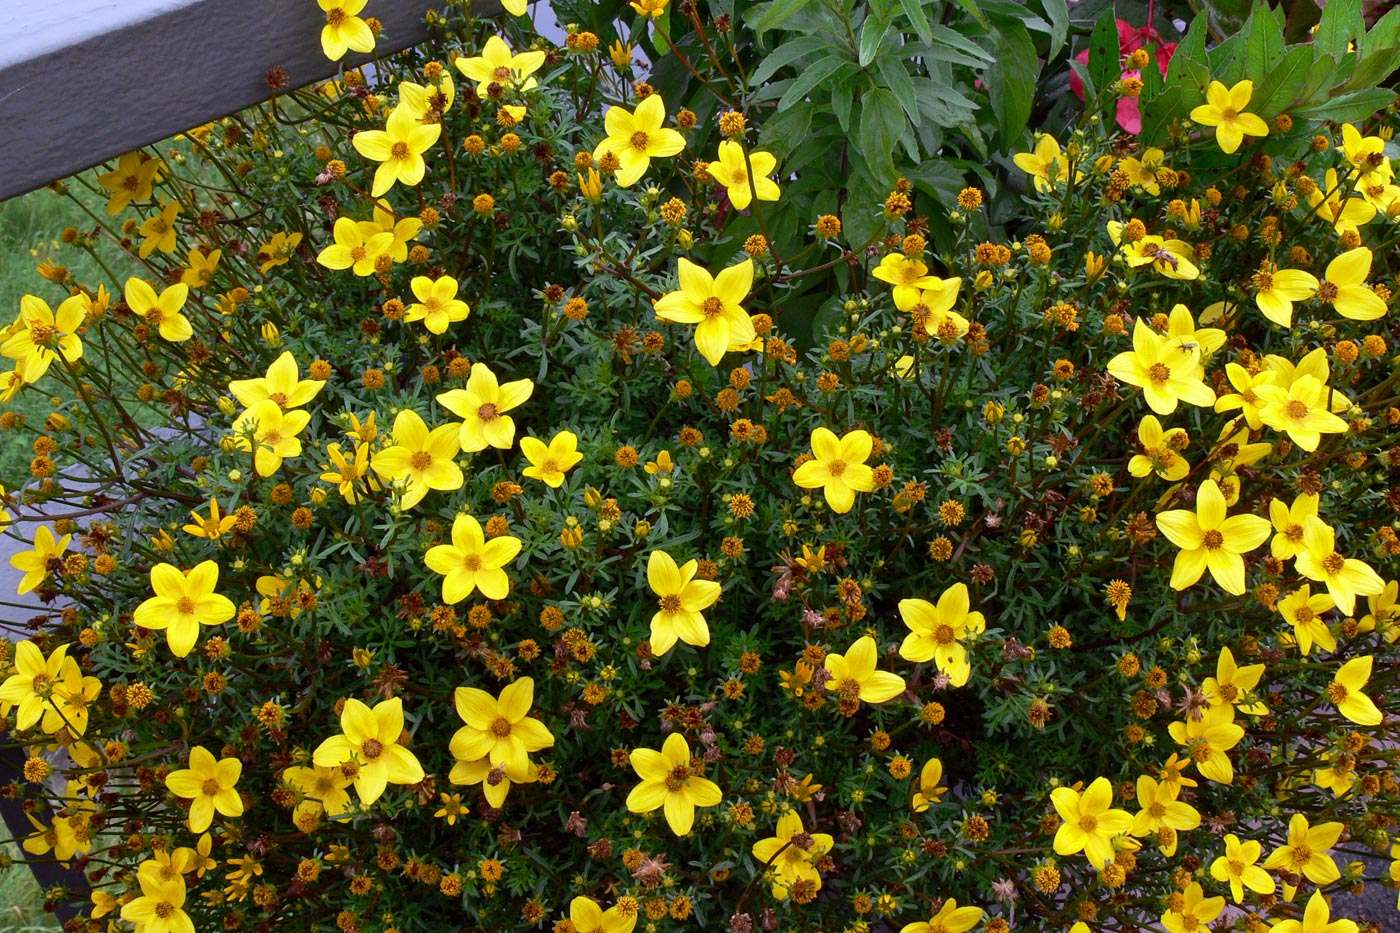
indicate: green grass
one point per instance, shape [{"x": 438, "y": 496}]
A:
[{"x": 21, "y": 904}]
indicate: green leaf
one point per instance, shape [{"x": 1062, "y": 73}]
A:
[
  {"x": 1011, "y": 82},
  {"x": 776, "y": 13},
  {"x": 1277, "y": 91},
  {"x": 1263, "y": 45},
  {"x": 1339, "y": 27},
  {"x": 813, "y": 76},
  {"x": 1105, "y": 60},
  {"x": 842, "y": 98},
  {"x": 1319, "y": 78},
  {"x": 1383, "y": 36},
  {"x": 787, "y": 129},
  {"x": 894, "y": 76},
  {"x": 787, "y": 52},
  {"x": 1373, "y": 69},
  {"x": 1169, "y": 105},
  {"x": 1192, "y": 48},
  {"x": 1348, "y": 108},
  {"x": 914, "y": 9},
  {"x": 882, "y": 122},
  {"x": 872, "y": 33},
  {"x": 1057, "y": 12},
  {"x": 973, "y": 10}
]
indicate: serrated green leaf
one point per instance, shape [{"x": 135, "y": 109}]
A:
[
  {"x": 1383, "y": 36},
  {"x": 1373, "y": 69},
  {"x": 813, "y": 76},
  {"x": 1277, "y": 91},
  {"x": 1192, "y": 48},
  {"x": 1348, "y": 108},
  {"x": 914, "y": 9},
  {"x": 1339, "y": 26},
  {"x": 1105, "y": 59},
  {"x": 1168, "y": 106},
  {"x": 1263, "y": 45},
  {"x": 1319, "y": 78}
]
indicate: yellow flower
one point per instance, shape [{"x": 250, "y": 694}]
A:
[
  {"x": 931, "y": 787},
  {"x": 1289, "y": 522},
  {"x": 398, "y": 148},
  {"x": 791, "y": 852},
  {"x": 588, "y": 917},
  {"x": 1090, "y": 823},
  {"x": 162, "y": 312},
  {"x": 354, "y": 248},
  {"x": 437, "y": 304},
  {"x": 1166, "y": 371},
  {"x": 322, "y": 788},
  {"x": 1245, "y": 398},
  {"x": 214, "y": 527},
  {"x": 1231, "y": 685},
  {"x": 713, "y": 304},
  {"x": 52, "y": 689},
  {"x": 854, "y": 677},
  {"x": 1304, "y": 612},
  {"x": 1344, "y": 286},
  {"x": 403, "y": 230},
  {"x": 910, "y": 279},
  {"x": 130, "y": 181},
  {"x": 663, "y": 464},
  {"x": 548, "y": 464},
  {"x": 471, "y": 562},
  {"x": 202, "y": 266},
  {"x": 621, "y": 54},
  {"x": 745, "y": 178},
  {"x": 591, "y": 185},
  {"x": 1345, "y": 577},
  {"x": 495, "y": 780},
  {"x": 1207, "y": 740},
  {"x": 500, "y": 730},
  {"x": 649, "y": 8},
  {"x": 1162, "y": 811},
  {"x": 1384, "y": 612},
  {"x": 159, "y": 230},
  {"x": 420, "y": 459},
  {"x": 483, "y": 404},
  {"x": 1275, "y": 290},
  {"x": 681, "y": 598},
  {"x": 1047, "y": 166},
  {"x": 35, "y": 564},
  {"x": 184, "y": 600},
  {"x": 1345, "y": 214},
  {"x": 839, "y": 467},
  {"x": 160, "y": 908},
  {"x": 934, "y": 632},
  {"x": 1317, "y": 918},
  {"x": 1237, "y": 866},
  {"x": 451, "y": 808},
  {"x": 1224, "y": 110},
  {"x": 637, "y": 138},
  {"x": 950, "y": 919},
  {"x": 1210, "y": 540},
  {"x": 1171, "y": 258},
  {"x": 1345, "y": 692},
  {"x": 278, "y": 250},
  {"x": 40, "y": 336},
  {"x": 370, "y": 742},
  {"x": 421, "y": 99},
  {"x": 270, "y": 433},
  {"x": 1300, "y": 410},
  {"x": 1197, "y": 911},
  {"x": 344, "y": 30},
  {"x": 347, "y": 473},
  {"x": 1305, "y": 852},
  {"x": 671, "y": 781},
  {"x": 496, "y": 65},
  {"x": 282, "y": 384},
  {"x": 1159, "y": 451},
  {"x": 209, "y": 784}
]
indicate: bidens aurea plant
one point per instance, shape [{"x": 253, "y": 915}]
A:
[{"x": 548, "y": 502}]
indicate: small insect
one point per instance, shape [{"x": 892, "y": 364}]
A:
[{"x": 1161, "y": 254}]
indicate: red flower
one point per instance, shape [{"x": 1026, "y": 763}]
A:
[{"x": 1130, "y": 39}]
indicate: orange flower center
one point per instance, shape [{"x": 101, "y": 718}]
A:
[
  {"x": 1200, "y": 750},
  {"x": 836, "y": 467},
  {"x": 488, "y": 413},
  {"x": 1156, "y": 810},
  {"x": 358, "y": 253},
  {"x": 1337, "y": 693},
  {"x": 1229, "y": 692},
  {"x": 677, "y": 776},
  {"x": 501, "y": 74},
  {"x": 1088, "y": 822},
  {"x": 1293, "y": 533},
  {"x": 1212, "y": 540},
  {"x": 550, "y": 465},
  {"x": 420, "y": 460},
  {"x": 273, "y": 438},
  {"x": 1334, "y": 563},
  {"x": 185, "y": 606},
  {"x": 164, "y": 909},
  {"x": 1236, "y": 867},
  {"x": 1229, "y": 115},
  {"x": 372, "y": 749},
  {"x": 639, "y": 141},
  {"x": 1302, "y": 854},
  {"x": 400, "y": 150},
  {"x": 335, "y": 17},
  {"x": 671, "y": 602},
  {"x": 210, "y": 787},
  {"x": 41, "y": 333},
  {"x": 500, "y": 727},
  {"x": 1159, "y": 373},
  {"x": 280, "y": 398},
  {"x": 1305, "y": 614},
  {"x": 1296, "y": 410},
  {"x": 712, "y": 307},
  {"x": 154, "y": 316},
  {"x": 943, "y": 634},
  {"x": 1328, "y": 291},
  {"x": 849, "y": 689},
  {"x": 472, "y": 562}
]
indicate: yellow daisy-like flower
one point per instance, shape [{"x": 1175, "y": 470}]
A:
[
  {"x": 1304, "y": 611},
  {"x": 854, "y": 677},
  {"x": 672, "y": 782},
  {"x": 1237, "y": 866},
  {"x": 839, "y": 469},
  {"x": 1160, "y": 451},
  {"x": 1232, "y": 684},
  {"x": 42, "y": 335},
  {"x": 1162, "y": 814},
  {"x": 398, "y": 148},
  {"x": 213, "y": 527},
  {"x": 35, "y": 564},
  {"x": 790, "y": 862},
  {"x": 500, "y": 730},
  {"x": 270, "y": 433},
  {"x": 1344, "y": 286},
  {"x": 184, "y": 600},
  {"x": 354, "y": 248},
  {"x": 1196, "y": 913},
  {"x": 498, "y": 65},
  {"x": 437, "y": 305},
  {"x": 1225, "y": 110},
  {"x": 714, "y": 305},
  {"x": 1290, "y": 522},
  {"x": 161, "y": 906},
  {"x": 344, "y": 30},
  {"x": 1245, "y": 398},
  {"x": 681, "y": 598},
  {"x": 950, "y": 919},
  {"x": 322, "y": 788},
  {"x": 744, "y": 178},
  {"x": 549, "y": 462},
  {"x": 209, "y": 785},
  {"x": 420, "y": 459},
  {"x": 588, "y": 917},
  {"x": 1275, "y": 290},
  {"x": 1332, "y": 205},
  {"x": 282, "y": 384},
  {"x": 637, "y": 138},
  {"x": 1345, "y": 692},
  {"x": 1167, "y": 372},
  {"x": 910, "y": 277},
  {"x": 1046, "y": 165},
  {"x": 130, "y": 181},
  {"x": 35, "y": 688},
  {"x": 348, "y": 473},
  {"x": 201, "y": 268},
  {"x": 1207, "y": 740},
  {"x": 278, "y": 251},
  {"x": 1210, "y": 540},
  {"x": 1317, "y": 918},
  {"x": 935, "y": 631},
  {"x": 483, "y": 404},
  {"x": 159, "y": 230},
  {"x": 1305, "y": 852},
  {"x": 404, "y": 230},
  {"x": 931, "y": 788},
  {"x": 161, "y": 312},
  {"x": 1345, "y": 577},
  {"x": 1300, "y": 410},
  {"x": 1090, "y": 822},
  {"x": 472, "y": 563},
  {"x": 369, "y": 741}
]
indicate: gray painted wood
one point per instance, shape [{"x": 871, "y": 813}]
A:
[{"x": 82, "y": 81}]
